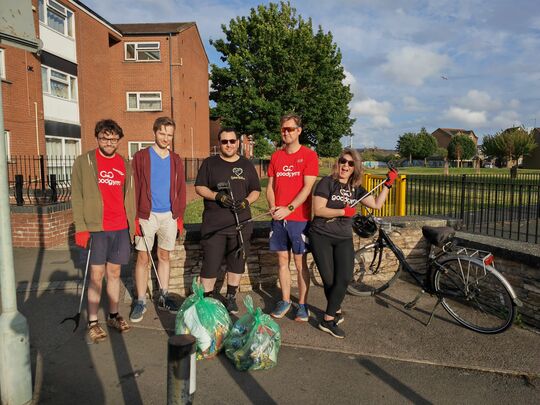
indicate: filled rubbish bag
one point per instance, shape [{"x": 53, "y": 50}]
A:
[
  {"x": 254, "y": 340},
  {"x": 204, "y": 318}
]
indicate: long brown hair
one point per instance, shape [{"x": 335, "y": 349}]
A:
[{"x": 356, "y": 178}]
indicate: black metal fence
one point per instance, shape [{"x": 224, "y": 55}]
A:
[
  {"x": 42, "y": 180},
  {"x": 497, "y": 205}
]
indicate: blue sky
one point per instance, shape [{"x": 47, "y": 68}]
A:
[{"x": 472, "y": 64}]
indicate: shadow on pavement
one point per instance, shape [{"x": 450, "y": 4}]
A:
[{"x": 393, "y": 382}]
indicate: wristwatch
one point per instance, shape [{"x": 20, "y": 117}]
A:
[{"x": 290, "y": 207}]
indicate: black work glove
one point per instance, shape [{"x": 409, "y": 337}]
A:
[
  {"x": 224, "y": 199},
  {"x": 240, "y": 205}
]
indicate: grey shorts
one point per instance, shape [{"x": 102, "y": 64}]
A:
[
  {"x": 110, "y": 247},
  {"x": 161, "y": 224}
]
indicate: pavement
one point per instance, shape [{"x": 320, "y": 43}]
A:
[{"x": 388, "y": 356}]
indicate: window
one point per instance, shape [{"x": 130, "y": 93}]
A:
[
  {"x": 144, "y": 101},
  {"x": 58, "y": 84},
  {"x": 137, "y": 146},
  {"x": 2, "y": 65},
  {"x": 142, "y": 51},
  {"x": 56, "y": 17},
  {"x": 61, "y": 154},
  {"x": 6, "y": 140}
]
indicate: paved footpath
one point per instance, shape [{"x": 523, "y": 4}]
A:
[{"x": 388, "y": 356}]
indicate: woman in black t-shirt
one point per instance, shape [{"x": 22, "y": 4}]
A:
[{"x": 330, "y": 235}]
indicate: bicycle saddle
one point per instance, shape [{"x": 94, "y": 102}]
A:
[{"x": 438, "y": 236}]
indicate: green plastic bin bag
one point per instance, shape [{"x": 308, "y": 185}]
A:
[
  {"x": 204, "y": 318},
  {"x": 254, "y": 341}
]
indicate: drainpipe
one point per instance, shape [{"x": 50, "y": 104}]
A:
[
  {"x": 171, "y": 80},
  {"x": 37, "y": 126}
]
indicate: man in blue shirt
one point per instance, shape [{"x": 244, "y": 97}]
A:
[{"x": 160, "y": 192}]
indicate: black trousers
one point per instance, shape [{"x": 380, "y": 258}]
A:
[{"x": 335, "y": 260}]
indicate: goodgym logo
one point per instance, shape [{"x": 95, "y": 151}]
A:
[
  {"x": 287, "y": 171},
  {"x": 106, "y": 177}
]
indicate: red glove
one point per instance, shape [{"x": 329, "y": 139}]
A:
[
  {"x": 137, "y": 227},
  {"x": 349, "y": 211},
  {"x": 82, "y": 238},
  {"x": 180, "y": 225},
  {"x": 391, "y": 177}
]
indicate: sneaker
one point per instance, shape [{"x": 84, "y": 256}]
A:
[
  {"x": 230, "y": 303},
  {"x": 95, "y": 334},
  {"x": 332, "y": 328},
  {"x": 119, "y": 324},
  {"x": 166, "y": 303},
  {"x": 139, "y": 308},
  {"x": 282, "y": 307},
  {"x": 339, "y": 318},
  {"x": 302, "y": 314}
]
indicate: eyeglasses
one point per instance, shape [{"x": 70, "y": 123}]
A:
[
  {"x": 112, "y": 141},
  {"x": 344, "y": 161},
  {"x": 288, "y": 129},
  {"x": 226, "y": 141}
]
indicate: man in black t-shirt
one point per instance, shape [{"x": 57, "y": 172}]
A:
[{"x": 219, "y": 236}]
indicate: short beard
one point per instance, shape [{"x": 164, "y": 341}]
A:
[{"x": 107, "y": 154}]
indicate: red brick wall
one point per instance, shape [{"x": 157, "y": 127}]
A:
[
  {"x": 45, "y": 226},
  {"x": 20, "y": 90}
]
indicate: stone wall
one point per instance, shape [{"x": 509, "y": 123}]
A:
[{"x": 522, "y": 269}]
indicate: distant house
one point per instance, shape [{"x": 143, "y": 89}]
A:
[
  {"x": 532, "y": 161},
  {"x": 445, "y": 135}
]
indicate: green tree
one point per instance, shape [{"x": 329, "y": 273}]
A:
[
  {"x": 461, "y": 147},
  {"x": 274, "y": 64},
  {"x": 406, "y": 145},
  {"x": 509, "y": 145},
  {"x": 419, "y": 145},
  {"x": 427, "y": 144}
]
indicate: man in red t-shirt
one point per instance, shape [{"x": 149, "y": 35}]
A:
[
  {"x": 291, "y": 175},
  {"x": 103, "y": 204}
]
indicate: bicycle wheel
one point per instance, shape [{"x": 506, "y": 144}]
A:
[
  {"x": 474, "y": 294},
  {"x": 371, "y": 275}
]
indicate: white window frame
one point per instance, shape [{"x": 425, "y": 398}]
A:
[
  {"x": 138, "y": 94},
  {"x": 71, "y": 82},
  {"x": 140, "y": 145},
  {"x": 7, "y": 138},
  {"x": 142, "y": 46},
  {"x": 63, "y": 159},
  {"x": 45, "y": 6},
  {"x": 2, "y": 64}
]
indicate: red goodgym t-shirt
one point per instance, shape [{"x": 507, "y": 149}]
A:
[
  {"x": 111, "y": 179},
  {"x": 288, "y": 171}
]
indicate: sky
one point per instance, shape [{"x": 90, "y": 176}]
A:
[{"x": 471, "y": 64}]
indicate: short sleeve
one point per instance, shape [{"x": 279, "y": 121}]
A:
[
  {"x": 253, "y": 182},
  {"x": 324, "y": 187},
  {"x": 202, "y": 175},
  {"x": 271, "y": 168},
  {"x": 312, "y": 164}
]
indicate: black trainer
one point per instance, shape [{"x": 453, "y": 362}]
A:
[
  {"x": 166, "y": 303},
  {"x": 230, "y": 303},
  {"x": 332, "y": 328},
  {"x": 339, "y": 318}
]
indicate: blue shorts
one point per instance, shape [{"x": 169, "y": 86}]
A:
[
  {"x": 110, "y": 247},
  {"x": 289, "y": 235}
]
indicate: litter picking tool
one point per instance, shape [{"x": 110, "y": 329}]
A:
[
  {"x": 76, "y": 318},
  {"x": 391, "y": 167},
  {"x": 226, "y": 186},
  {"x": 151, "y": 261}
]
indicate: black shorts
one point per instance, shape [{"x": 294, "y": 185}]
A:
[
  {"x": 110, "y": 247},
  {"x": 224, "y": 245}
]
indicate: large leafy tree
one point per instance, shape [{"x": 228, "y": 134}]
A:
[
  {"x": 417, "y": 145},
  {"x": 509, "y": 145},
  {"x": 461, "y": 147},
  {"x": 274, "y": 63}
]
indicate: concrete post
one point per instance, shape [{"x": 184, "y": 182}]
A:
[
  {"x": 15, "y": 372},
  {"x": 181, "y": 370}
]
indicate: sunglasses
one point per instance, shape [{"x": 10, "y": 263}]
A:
[
  {"x": 344, "y": 161},
  {"x": 288, "y": 129},
  {"x": 226, "y": 141}
]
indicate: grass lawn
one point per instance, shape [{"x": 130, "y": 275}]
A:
[{"x": 195, "y": 208}]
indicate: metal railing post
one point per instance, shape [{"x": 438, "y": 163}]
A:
[
  {"x": 19, "y": 181},
  {"x": 401, "y": 189},
  {"x": 181, "y": 370}
]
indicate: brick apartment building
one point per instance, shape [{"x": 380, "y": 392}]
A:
[
  {"x": 89, "y": 69},
  {"x": 86, "y": 70},
  {"x": 445, "y": 135}
]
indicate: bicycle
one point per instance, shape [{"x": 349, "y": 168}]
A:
[{"x": 464, "y": 280}]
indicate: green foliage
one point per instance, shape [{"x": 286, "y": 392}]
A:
[
  {"x": 461, "y": 147},
  {"x": 441, "y": 153},
  {"x": 416, "y": 145},
  {"x": 509, "y": 145},
  {"x": 275, "y": 64}
]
